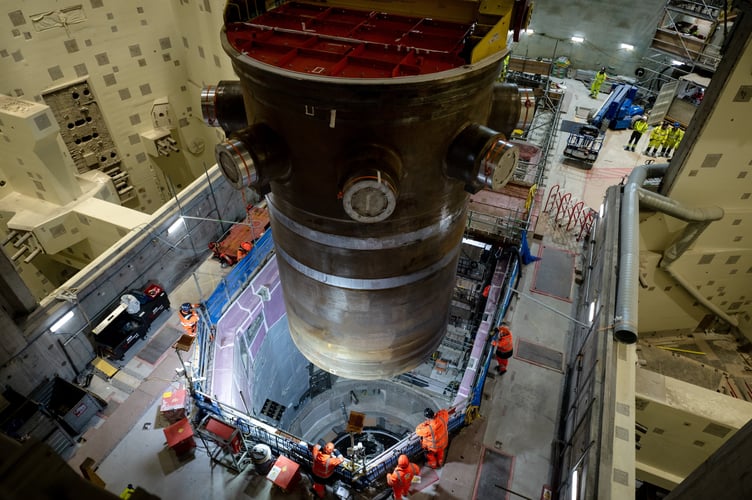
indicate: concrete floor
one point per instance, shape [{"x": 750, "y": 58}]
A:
[{"x": 519, "y": 414}]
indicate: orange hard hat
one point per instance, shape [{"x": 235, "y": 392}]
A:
[
  {"x": 329, "y": 448},
  {"x": 403, "y": 461},
  {"x": 246, "y": 246}
]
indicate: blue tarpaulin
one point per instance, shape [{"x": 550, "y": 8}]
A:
[
  {"x": 525, "y": 254},
  {"x": 236, "y": 279}
]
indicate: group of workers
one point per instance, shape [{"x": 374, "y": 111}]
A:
[
  {"x": 662, "y": 136},
  {"x": 433, "y": 433},
  {"x": 666, "y": 138},
  {"x": 434, "y": 436}
]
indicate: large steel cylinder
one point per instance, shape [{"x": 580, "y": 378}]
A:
[{"x": 366, "y": 218}]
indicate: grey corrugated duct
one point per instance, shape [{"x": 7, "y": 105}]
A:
[
  {"x": 625, "y": 322},
  {"x": 625, "y": 325}
]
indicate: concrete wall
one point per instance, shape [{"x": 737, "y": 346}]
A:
[
  {"x": 144, "y": 255},
  {"x": 685, "y": 425},
  {"x": 711, "y": 168},
  {"x": 603, "y": 24},
  {"x": 726, "y": 471},
  {"x": 132, "y": 53}
]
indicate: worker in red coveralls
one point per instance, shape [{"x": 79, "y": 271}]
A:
[
  {"x": 504, "y": 345},
  {"x": 402, "y": 478},
  {"x": 434, "y": 434},
  {"x": 325, "y": 460}
]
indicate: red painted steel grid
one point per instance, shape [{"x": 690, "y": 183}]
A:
[{"x": 349, "y": 43}]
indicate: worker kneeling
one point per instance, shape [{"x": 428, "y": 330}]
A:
[
  {"x": 325, "y": 461},
  {"x": 402, "y": 478},
  {"x": 434, "y": 434}
]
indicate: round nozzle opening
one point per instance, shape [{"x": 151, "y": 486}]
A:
[{"x": 625, "y": 336}]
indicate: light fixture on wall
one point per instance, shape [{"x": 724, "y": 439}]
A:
[
  {"x": 57, "y": 325},
  {"x": 591, "y": 312},
  {"x": 175, "y": 226},
  {"x": 626, "y": 46},
  {"x": 674, "y": 62},
  {"x": 575, "y": 494},
  {"x": 577, "y": 39}
]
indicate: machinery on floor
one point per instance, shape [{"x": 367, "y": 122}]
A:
[
  {"x": 129, "y": 321},
  {"x": 584, "y": 144},
  {"x": 618, "y": 111}
]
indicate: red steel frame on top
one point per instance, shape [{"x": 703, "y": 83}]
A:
[{"x": 349, "y": 43}]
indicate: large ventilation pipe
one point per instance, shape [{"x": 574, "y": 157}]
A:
[
  {"x": 625, "y": 325},
  {"x": 368, "y": 169}
]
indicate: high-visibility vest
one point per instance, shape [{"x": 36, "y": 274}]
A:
[
  {"x": 403, "y": 476},
  {"x": 641, "y": 126},
  {"x": 658, "y": 135},
  {"x": 189, "y": 320},
  {"x": 675, "y": 136},
  {"x": 324, "y": 463},
  {"x": 504, "y": 344},
  {"x": 434, "y": 433}
]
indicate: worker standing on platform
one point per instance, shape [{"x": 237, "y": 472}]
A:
[
  {"x": 402, "y": 478},
  {"x": 243, "y": 250},
  {"x": 325, "y": 460},
  {"x": 673, "y": 138},
  {"x": 657, "y": 136},
  {"x": 639, "y": 127},
  {"x": 434, "y": 434},
  {"x": 189, "y": 318},
  {"x": 595, "y": 87},
  {"x": 504, "y": 345}
]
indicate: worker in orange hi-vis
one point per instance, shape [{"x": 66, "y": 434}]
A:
[
  {"x": 504, "y": 345},
  {"x": 325, "y": 460},
  {"x": 243, "y": 250},
  {"x": 402, "y": 478},
  {"x": 189, "y": 318},
  {"x": 434, "y": 434}
]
